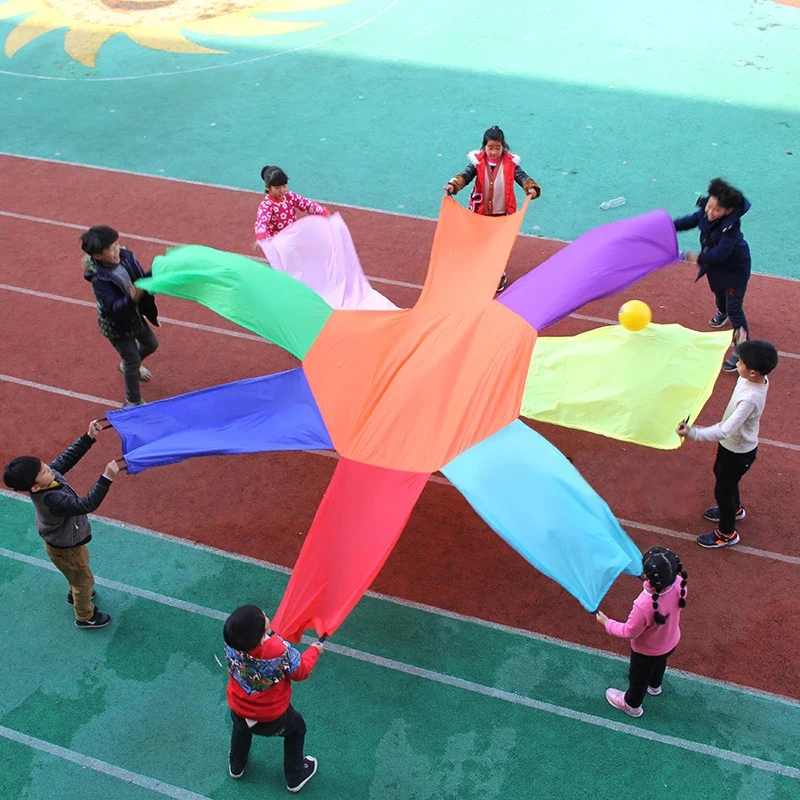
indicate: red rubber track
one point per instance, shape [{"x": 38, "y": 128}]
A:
[{"x": 741, "y": 624}]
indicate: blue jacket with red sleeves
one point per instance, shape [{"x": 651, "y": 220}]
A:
[{"x": 724, "y": 253}]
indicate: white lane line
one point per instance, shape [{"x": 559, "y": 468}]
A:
[
  {"x": 690, "y": 537},
  {"x": 240, "y": 190},
  {"x": 170, "y": 243},
  {"x": 87, "y": 762},
  {"x": 424, "y": 607},
  {"x": 145, "y": 594},
  {"x": 578, "y": 716},
  {"x": 43, "y": 387},
  {"x": 773, "y": 443},
  {"x": 453, "y": 681},
  {"x": 103, "y": 401},
  {"x": 87, "y": 304},
  {"x": 436, "y": 478},
  {"x": 153, "y": 240}
]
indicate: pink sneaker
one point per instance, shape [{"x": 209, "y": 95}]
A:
[{"x": 617, "y": 699}]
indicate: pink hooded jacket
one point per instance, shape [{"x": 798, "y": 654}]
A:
[{"x": 646, "y": 637}]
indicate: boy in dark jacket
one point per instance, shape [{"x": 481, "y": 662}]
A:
[
  {"x": 724, "y": 255},
  {"x": 61, "y": 518},
  {"x": 261, "y": 670},
  {"x": 122, "y": 309}
]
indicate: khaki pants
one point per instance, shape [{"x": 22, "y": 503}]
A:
[{"x": 73, "y": 563}]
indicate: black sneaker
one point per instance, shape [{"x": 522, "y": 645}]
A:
[
  {"x": 309, "y": 771},
  {"x": 71, "y": 600},
  {"x": 718, "y": 320},
  {"x": 234, "y": 773},
  {"x": 503, "y": 283},
  {"x": 730, "y": 364},
  {"x": 716, "y": 539},
  {"x": 712, "y": 514},
  {"x": 98, "y": 620}
]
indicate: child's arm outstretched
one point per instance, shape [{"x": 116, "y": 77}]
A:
[
  {"x": 309, "y": 206},
  {"x": 528, "y": 184},
  {"x": 635, "y": 625},
  {"x": 464, "y": 178},
  {"x": 77, "y": 450},
  {"x": 689, "y": 221},
  {"x": 720, "y": 431}
]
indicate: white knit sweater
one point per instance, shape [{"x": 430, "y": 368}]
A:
[{"x": 738, "y": 431}]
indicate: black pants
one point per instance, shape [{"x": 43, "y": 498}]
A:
[
  {"x": 730, "y": 302},
  {"x": 290, "y": 725},
  {"x": 729, "y": 469},
  {"x": 133, "y": 350},
  {"x": 644, "y": 671}
]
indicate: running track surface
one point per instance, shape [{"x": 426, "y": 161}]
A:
[
  {"x": 503, "y": 723},
  {"x": 741, "y": 625}
]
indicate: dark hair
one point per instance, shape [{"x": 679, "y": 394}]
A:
[
  {"x": 661, "y": 567},
  {"x": 727, "y": 196},
  {"x": 97, "y": 238},
  {"x": 21, "y": 473},
  {"x": 245, "y": 628},
  {"x": 494, "y": 134},
  {"x": 758, "y": 355},
  {"x": 274, "y": 176}
]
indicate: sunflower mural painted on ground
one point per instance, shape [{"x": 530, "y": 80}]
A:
[{"x": 155, "y": 24}]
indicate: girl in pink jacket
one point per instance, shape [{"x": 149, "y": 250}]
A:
[{"x": 653, "y": 628}]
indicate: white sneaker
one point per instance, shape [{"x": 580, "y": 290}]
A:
[
  {"x": 617, "y": 699},
  {"x": 144, "y": 374},
  {"x": 655, "y": 692}
]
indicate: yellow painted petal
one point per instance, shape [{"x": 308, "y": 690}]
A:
[
  {"x": 13, "y": 8},
  {"x": 288, "y": 6},
  {"x": 160, "y": 39},
  {"x": 84, "y": 42},
  {"x": 28, "y": 30},
  {"x": 245, "y": 25}
]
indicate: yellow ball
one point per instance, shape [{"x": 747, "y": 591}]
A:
[{"x": 635, "y": 315}]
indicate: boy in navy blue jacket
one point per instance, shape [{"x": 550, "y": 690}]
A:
[
  {"x": 724, "y": 255},
  {"x": 122, "y": 309}
]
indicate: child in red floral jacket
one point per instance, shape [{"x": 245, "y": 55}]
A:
[
  {"x": 261, "y": 669},
  {"x": 278, "y": 209},
  {"x": 494, "y": 169}
]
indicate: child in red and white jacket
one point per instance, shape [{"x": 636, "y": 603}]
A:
[
  {"x": 278, "y": 209},
  {"x": 653, "y": 627},
  {"x": 494, "y": 169},
  {"x": 261, "y": 668}
]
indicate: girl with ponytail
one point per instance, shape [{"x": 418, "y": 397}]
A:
[{"x": 653, "y": 627}]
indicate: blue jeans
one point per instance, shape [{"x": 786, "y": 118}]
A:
[{"x": 729, "y": 301}]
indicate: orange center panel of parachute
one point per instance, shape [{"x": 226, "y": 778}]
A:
[{"x": 411, "y": 390}]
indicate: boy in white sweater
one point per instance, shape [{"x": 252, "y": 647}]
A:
[{"x": 737, "y": 435}]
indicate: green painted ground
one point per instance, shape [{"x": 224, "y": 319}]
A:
[
  {"x": 601, "y": 99},
  {"x": 423, "y": 707}
]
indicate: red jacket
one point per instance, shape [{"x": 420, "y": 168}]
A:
[
  {"x": 482, "y": 194},
  {"x": 268, "y": 705}
]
